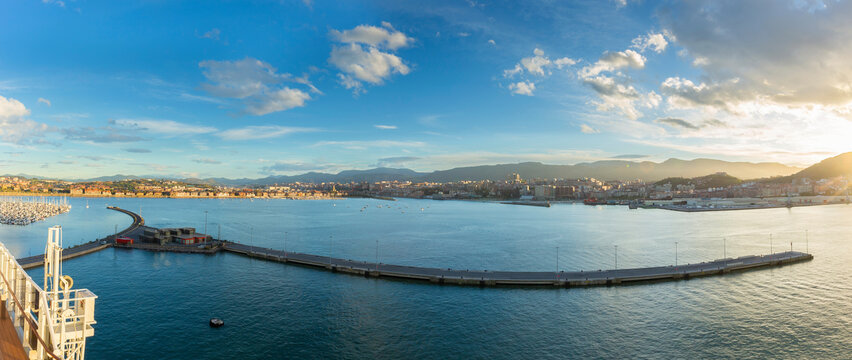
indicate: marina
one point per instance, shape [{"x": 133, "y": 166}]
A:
[{"x": 25, "y": 211}]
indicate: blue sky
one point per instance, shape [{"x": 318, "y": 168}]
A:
[{"x": 250, "y": 89}]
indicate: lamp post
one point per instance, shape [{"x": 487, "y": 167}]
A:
[
  {"x": 806, "y": 241},
  {"x": 616, "y": 257},
  {"x": 377, "y": 256},
  {"x": 557, "y": 263},
  {"x": 285, "y": 244},
  {"x": 675, "y": 254},
  {"x": 205, "y": 222},
  {"x": 770, "y": 247},
  {"x": 331, "y": 248}
]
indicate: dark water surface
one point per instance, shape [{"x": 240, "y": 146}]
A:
[{"x": 156, "y": 305}]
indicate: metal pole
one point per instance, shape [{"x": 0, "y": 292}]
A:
[
  {"x": 377, "y": 256},
  {"x": 285, "y": 244},
  {"x": 770, "y": 247},
  {"x": 806, "y": 241},
  {"x": 251, "y": 238},
  {"x": 331, "y": 248},
  {"x": 219, "y": 234},
  {"x": 557, "y": 262},
  {"x": 205, "y": 222},
  {"x": 724, "y": 248},
  {"x": 616, "y": 257},
  {"x": 675, "y": 253}
]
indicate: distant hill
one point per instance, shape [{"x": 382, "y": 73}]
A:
[
  {"x": 616, "y": 170},
  {"x": 371, "y": 175},
  {"x": 703, "y": 182},
  {"x": 604, "y": 170},
  {"x": 840, "y": 165}
]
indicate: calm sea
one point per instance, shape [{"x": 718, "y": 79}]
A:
[{"x": 156, "y": 305}]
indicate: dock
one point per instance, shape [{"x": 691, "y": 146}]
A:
[
  {"x": 561, "y": 279},
  {"x": 89, "y": 247},
  {"x": 522, "y": 278}
]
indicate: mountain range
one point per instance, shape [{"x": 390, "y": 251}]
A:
[
  {"x": 840, "y": 165},
  {"x": 604, "y": 170}
]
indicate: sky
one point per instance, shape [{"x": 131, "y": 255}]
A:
[{"x": 256, "y": 88}]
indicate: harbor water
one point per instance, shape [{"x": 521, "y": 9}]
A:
[{"x": 157, "y": 305}]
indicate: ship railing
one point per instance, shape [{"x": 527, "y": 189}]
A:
[{"x": 44, "y": 335}]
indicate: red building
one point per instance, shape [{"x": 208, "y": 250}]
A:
[{"x": 124, "y": 241}]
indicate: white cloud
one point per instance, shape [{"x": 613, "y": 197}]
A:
[
  {"x": 614, "y": 95},
  {"x": 684, "y": 94},
  {"x": 59, "y": 3},
  {"x": 492, "y": 42},
  {"x": 164, "y": 127},
  {"x": 364, "y": 55},
  {"x": 513, "y": 71},
  {"x": 212, "y": 34},
  {"x": 586, "y": 129},
  {"x": 522, "y": 88},
  {"x": 362, "y": 145},
  {"x": 798, "y": 58},
  {"x": 257, "y": 83},
  {"x": 278, "y": 100},
  {"x": 562, "y": 62},
  {"x": 613, "y": 87},
  {"x": 611, "y": 61},
  {"x": 44, "y": 101},
  {"x": 370, "y": 65},
  {"x": 656, "y": 42},
  {"x": 538, "y": 65},
  {"x": 260, "y": 132},
  {"x": 378, "y": 37},
  {"x": 238, "y": 79},
  {"x": 385, "y": 127},
  {"x": 296, "y": 167},
  {"x": 15, "y": 127}
]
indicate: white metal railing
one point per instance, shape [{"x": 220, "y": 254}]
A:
[{"x": 52, "y": 323}]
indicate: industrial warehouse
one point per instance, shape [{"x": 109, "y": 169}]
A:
[{"x": 185, "y": 236}]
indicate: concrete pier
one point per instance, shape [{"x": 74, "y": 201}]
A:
[
  {"x": 89, "y": 247},
  {"x": 449, "y": 276},
  {"x": 522, "y": 278}
]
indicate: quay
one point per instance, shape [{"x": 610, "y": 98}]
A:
[
  {"x": 522, "y": 278},
  {"x": 527, "y": 203},
  {"x": 89, "y": 247},
  {"x": 446, "y": 275}
]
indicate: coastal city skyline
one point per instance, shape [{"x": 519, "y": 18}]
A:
[{"x": 138, "y": 88}]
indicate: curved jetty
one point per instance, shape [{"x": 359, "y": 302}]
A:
[
  {"x": 456, "y": 276},
  {"x": 522, "y": 278},
  {"x": 89, "y": 247},
  {"x": 22, "y": 211}
]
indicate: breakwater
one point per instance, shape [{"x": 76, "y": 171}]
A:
[
  {"x": 448, "y": 275},
  {"x": 89, "y": 247},
  {"x": 522, "y": 278},
  {"x": 25, "y": 211}
]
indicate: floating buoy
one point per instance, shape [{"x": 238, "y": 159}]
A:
[{"x": 216, "y": 322}]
